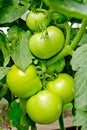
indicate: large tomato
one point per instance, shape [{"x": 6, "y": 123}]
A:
[
  {"x": 36, "y": 20},
  {"x": 63, "y": 86},
  {"x": 45, "y": 107},
  {"x": 23, "y": 83},
  {"x": 47, "y": 43}
]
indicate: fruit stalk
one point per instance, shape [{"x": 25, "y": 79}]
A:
[
  {"x": 79, "y": 34},
  {"x": 61, "y": 123}
]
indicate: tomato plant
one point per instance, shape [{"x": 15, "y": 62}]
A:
[
  {"x": 44, "y": 46},
  {"x": 38, "y": 110}
]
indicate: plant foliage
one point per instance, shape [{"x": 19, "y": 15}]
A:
[{"x": 14, "y": 49}]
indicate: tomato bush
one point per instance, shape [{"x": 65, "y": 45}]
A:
[{"x": 43, "y": 53}]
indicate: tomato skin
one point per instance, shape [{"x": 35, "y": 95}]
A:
[
  {"x": 36, "y": 20},
  {"x": 44, "y": 107},
  {"x": 63, "y": 86},
  {"x": 23, "y": 84},
  {"x": 47, "y": 43}
]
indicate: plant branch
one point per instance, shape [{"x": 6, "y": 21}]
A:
[
  {"x": 61, "y": 123},
  {"x": 66, "y": 51},
  {"x": 67, "y": 27},
  {"x": 33, "y": 127},
  {"x": 77, "y": 128},
  {"x": 79, "y": 34},
  {"x": 67, "y": 35}
]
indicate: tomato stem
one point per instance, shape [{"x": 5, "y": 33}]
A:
[
  {"x": 67, "y": 27},
  {"x": 43, "y": 66},
  {"x": 67, "y": 34},
  {"x": 41, "y": 4},
  {"x": 77, "y": 128},
  {"x": 79, "y": 34},
  {"x": 61, "y": 123},
  {"x": 33, "y": 127},
  {"x": 66, "y": 51}
]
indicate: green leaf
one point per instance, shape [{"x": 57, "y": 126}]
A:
[
  {"x": 19, "y": 119},
  {"x": 79, "y": 64},
  {"x": 13, "y": 34},
  {"x": 83, "y": 40},
  {"x": 67, "y": 106},
  {"x": 85, "y": 1},
  {"x": 15, "y": 2},
  {"x": 22, "y": 128},
  {"x": 3, "y": 71},
  {"x": 15, "y": 113},
  {"x": 5, "y": 3},
  {"x": 20, "y": 52},
  {"x": 80, "y": 118},
  {"x": 3, "y": 90},
  {"x": 79, "y": 58},
  {"x": 12, "y": 12},
  {"x": 4, "y": 44},
  {"x": 26, "y": 121},
  {"x": 70, "y": 8},
  {"x": 81, "y": 87},
  {"x": 84, "y": 127}
]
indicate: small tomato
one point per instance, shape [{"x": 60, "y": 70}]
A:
[{"x": 36, "y": 20}]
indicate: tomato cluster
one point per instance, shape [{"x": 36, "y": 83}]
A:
[{"x": 44, "y": 102}]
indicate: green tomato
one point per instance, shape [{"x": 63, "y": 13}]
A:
[
  {"x": 56, "y": 67},
  {"x": 36, "y": 20},
  {"x": 47, "y": 43},
  {"x": 45, "y": 107},
  {"x": 63, "y": 86},
  {"x": 23, "y": 83}
]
